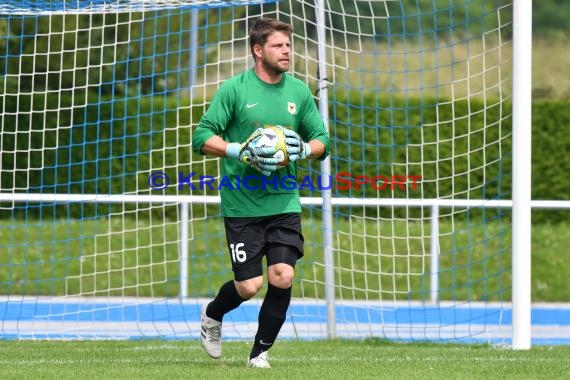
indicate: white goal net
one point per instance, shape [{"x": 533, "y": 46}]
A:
[{"x": 108, "y": 230}]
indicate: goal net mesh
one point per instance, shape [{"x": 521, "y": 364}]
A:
[{"x": 110, "y": 226}]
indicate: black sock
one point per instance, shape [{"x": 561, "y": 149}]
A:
[
  {"x": 271, "y": 317},
  {"x": 226, "y": 300}
]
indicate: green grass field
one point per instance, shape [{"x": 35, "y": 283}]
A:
[{"x": 290, "y": 360}]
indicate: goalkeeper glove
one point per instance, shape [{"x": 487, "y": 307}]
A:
[
  {"x": 253, "y": 156},
  {"x": 296, "y": 148}
]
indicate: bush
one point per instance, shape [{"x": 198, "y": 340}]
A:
[{"x": 111, "y": 146}]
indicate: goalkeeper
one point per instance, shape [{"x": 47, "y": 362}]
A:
[{"x": 265, "y": 221}]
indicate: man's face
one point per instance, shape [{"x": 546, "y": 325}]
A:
[{"x": 276, "y": 53}]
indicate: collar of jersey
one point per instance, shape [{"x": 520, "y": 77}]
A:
[{"x": 274, "y": 85}]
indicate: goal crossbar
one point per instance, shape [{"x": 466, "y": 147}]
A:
[{"x": 306, "y": 201}]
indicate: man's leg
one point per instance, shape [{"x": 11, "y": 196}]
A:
[
  {"x": 277, "y": 299},
  {"x": 212, "y": 315},
  {"x": 228, "y": 298},
  {"x": 271, "y": 318},
  {"x": 248, "y": 275}
]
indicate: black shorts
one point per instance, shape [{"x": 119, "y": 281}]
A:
[{"x": 278, "y": 237}]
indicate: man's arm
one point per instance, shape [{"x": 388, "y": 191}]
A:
[
  {"x": 317, "y": 149},
  {"x": 245, "y": 153},
  {"x": 313, "y": 130},
  {"x": 213, "y": 123},
  {"x": 215, "y": 146}
]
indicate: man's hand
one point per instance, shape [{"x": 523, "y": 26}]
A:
[
  {"x": 297, "y": 149},
  {"x": 257, "y": 158}
]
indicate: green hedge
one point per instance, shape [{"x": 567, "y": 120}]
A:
[
  {"x": 111, "y": 146},
  {"x": 550, "y": 159},
  {"x": 101, "y": 147}
]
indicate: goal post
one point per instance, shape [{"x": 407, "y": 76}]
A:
[
  {"x": 111, "y": 226},
  {"x": 522, "y": 121}
]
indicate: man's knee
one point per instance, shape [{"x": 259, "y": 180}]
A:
[
  {"x": 249, "y": 288},
  {"x": 281, "y": 275}
]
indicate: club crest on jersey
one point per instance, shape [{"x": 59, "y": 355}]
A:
[{"x": 292, "y": 108}]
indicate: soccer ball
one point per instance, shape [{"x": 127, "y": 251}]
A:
[{"x": 273, "y": 137}]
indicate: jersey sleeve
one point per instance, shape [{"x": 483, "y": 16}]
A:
[
  {"x": 216, "y": 118},
  {"x": 312, "y": 126}
]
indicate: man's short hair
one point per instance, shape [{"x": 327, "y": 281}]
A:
[{"x": 263, "y": 27}]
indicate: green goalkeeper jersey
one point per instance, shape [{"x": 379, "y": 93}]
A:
[{"x": 242, "y": 104}]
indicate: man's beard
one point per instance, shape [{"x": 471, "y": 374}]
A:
[{"x": 274, "y": 68}]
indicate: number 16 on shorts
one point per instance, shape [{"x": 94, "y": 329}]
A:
[{"x": 238, "y": 254}]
